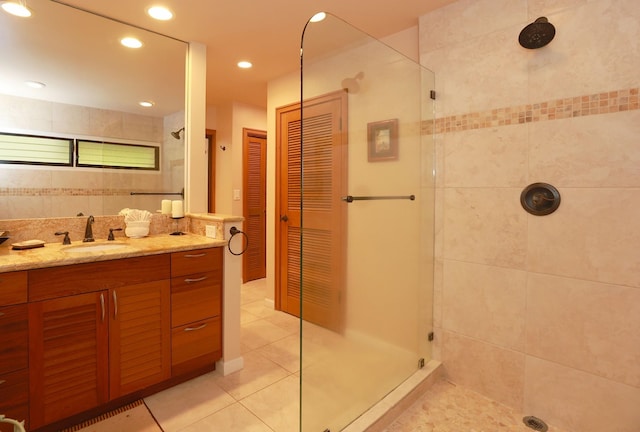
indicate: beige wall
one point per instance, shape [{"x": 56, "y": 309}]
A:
[
  {"x": 244, "y": 116},
  {"x": 228, "y": 121},
  {"x": 541, "y": 313},
  {"x": 196, "y": 154}
]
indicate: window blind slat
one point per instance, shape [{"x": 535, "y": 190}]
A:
[
  {"x": 114, "y": 155},
  {"x": 35, "y": 150}
]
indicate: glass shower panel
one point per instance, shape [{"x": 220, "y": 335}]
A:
[{"x": 366, "y": 228}]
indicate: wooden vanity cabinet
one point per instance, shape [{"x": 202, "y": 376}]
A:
[
  {"x": 104, "y": 331},
  {"x": 14, "y": 375},
  {"x": 196, "y": 295},
  {"x": 97, "y": 332}
]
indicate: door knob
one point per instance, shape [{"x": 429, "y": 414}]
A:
[{"x": 284, "y": 218}]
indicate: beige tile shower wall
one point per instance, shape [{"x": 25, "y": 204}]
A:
[
  {"x": 37, "y": 192},
  {"x": 540, "y": 313}
]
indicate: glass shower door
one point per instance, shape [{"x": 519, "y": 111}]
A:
[{"x": 366, "y": 222}]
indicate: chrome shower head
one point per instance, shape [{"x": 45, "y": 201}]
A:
[
  {"x": 176, "y": 134},
  {"x": 537, "y": 34}
]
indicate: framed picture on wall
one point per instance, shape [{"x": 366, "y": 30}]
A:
[{"x": 382, "y": 139}]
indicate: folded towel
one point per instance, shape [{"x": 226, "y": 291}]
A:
[{"x": 131, "y": 215}]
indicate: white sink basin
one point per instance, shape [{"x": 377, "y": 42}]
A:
[{"x": 95, "y": 247}]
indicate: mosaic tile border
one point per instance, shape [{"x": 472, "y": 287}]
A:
[
  {"x": 62, "y": 192},
  {"x": 593, "y": 104}
]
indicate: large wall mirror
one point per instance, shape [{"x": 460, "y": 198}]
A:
[{"x": 92, "y": 89}]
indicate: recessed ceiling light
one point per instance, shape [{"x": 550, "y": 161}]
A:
[
  {"x": 318, "y": 17},
  {"x": 160, "y": 13},
  {"x": 244, "y": 64},
  {"x": 146, "y": 104},
  {"x": 35, "y": 84},
  {"x": 17, "y": 8},
  {"x": 131, "y": 42}
]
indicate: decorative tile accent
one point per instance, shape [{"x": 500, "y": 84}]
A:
[
  {"x": 62, "y": 192},
  {"x": 598, "y": 103}
]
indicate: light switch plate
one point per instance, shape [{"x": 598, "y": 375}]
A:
[{"x": 210, "y": 231}]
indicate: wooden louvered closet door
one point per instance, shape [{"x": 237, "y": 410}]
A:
[
  {"x": 68, "y": 356},
  {"x": 139, "y": 336},
  {"x": 319, "y": 182},
  {"x": 254, "y": 260}
]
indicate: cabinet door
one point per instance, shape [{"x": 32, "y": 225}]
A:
[
  {"x": 14, "y": 397},
  {"x": 68, "y": 356},
  {"x": 13, "y": 345},
  {"x": 139, "y": 336}
]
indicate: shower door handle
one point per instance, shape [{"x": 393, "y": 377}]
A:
[{"x": 284, "y": 218}]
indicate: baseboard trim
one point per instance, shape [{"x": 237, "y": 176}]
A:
[
  {"x": 269, "y": 303},
  {"x": 227, "y": 367}
]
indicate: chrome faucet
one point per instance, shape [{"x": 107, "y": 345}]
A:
[{"x": 88, "y": 232}]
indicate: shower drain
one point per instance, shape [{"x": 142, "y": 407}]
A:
[{"x": 535, "y": 423}]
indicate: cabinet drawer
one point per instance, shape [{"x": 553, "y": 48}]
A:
[
  {"x": 75, "y": 279},
  {"x": 14, "y": 397},
  {"x": 196, "y": 261},
  {"x": 195, "y": 346},
  {"x": 13, "y": 288},
  {"x": 195, "y": 297},
  {"x": 14, "y": 328}
]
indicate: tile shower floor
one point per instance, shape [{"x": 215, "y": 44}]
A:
[{"x": 263, "y": 397}]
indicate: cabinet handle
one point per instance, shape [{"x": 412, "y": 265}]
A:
[
  {"x": 195, "y": 256},
  {"x": 2, "y": 381},
  {"x": 200, "y": 279},
  {"x": 115, "y": 305},
  {"x": 201, "y": 326},
  {"x": 102, "y": 305}
]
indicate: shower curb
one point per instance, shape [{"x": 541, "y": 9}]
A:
[{"x": 382, "y": 414}]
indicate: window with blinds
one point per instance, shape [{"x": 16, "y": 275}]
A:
[
  {"x": 43, "y": 150},
  {"x": 111, "y": 155},
  {"x": 35, "y": 150}
]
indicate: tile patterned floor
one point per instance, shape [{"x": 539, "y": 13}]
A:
[
  {"x": 263, "y": 397},
  {"x": 446, "y": 407}
]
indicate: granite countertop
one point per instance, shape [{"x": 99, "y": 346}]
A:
[{"x": 57, "y": 254}]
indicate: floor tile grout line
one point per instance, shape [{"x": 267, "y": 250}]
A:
[
  {"x": 152, "y": 416},
  {"x": 256, "y": 414}
]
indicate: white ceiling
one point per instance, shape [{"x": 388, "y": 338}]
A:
[{"x": 267, "y": 33}]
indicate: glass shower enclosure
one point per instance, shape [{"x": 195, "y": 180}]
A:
[{"x": 365, "y": 230}]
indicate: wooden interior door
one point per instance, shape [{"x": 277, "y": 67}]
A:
[
  {"x": 311, "y": 225},
  {"x": 254, "y": 260}
]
